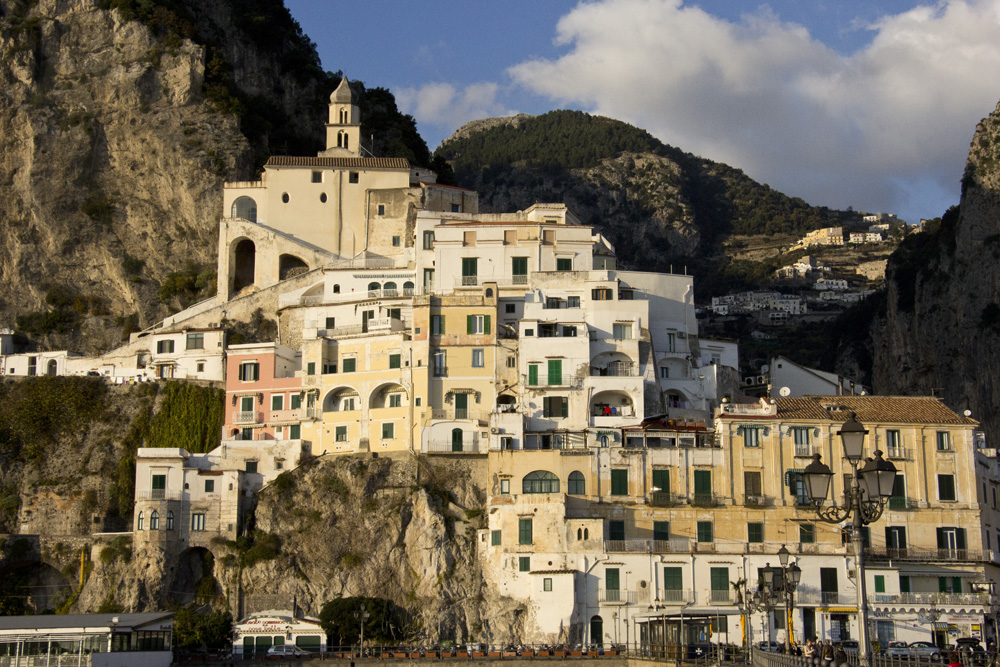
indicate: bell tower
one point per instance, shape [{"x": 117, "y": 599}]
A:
[{"x": 343, "y": 130}]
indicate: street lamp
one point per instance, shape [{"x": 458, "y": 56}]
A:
[
  {"x": 864, "y": 501},
  {"x": 790, "y": 577}
]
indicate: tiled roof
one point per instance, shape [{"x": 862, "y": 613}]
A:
[
  {"x": 338, "y": 162},
  {"x": 884, "y": 409}
]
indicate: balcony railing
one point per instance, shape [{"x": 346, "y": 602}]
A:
[
  {"x": 615, "y": 369},
  {"x": 704, "y": 499},
  {"x": 923, "y": 554},
  {"x": 755, "y": 501},
  {"x": 543, "y": 380},
  {"x": 721, "y": 597},
  {"x": 896, "y": 453},
  {"x": 672, "y": 596},
  {"x": 249, "y": 417},
  {"x": 469, "y": 444},
  {"x": 608, "y": 411},
  {"x": 519, "y": 279},
  {"x": 804, "y": 451},
  {"x": 605, "y": 596},
  {"x": 673, "y": 545},
  {"x": 627, "y": 546},
  {"x": 158, "y": 494},
  {"x": 901, "y": 503},
  {"x": 664, "y": 499},
  {"x": 469, "y": 281},
  {"x": 815, "y": 597}
]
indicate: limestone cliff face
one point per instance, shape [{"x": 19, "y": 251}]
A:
[
  {"x": 112, "y": 160},
  {"x": 941, "y": 329}
]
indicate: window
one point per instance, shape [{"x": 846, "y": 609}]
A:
[
  {"x": 547, "y": 584},
  {"x": 294, "y": 432},
  {"x": 395, "y": 400},
  {"x": 661, "y": 480},
  {"x": 751, "y": 437},
  {"x": 951, "y": 540},
  {"x": 622, "y": 331},
  {"x": 340, "y": 434},
  {"x": 396, "y": 240},
  {"x": 477, "y": 324},
  {"x": 755, "y": 533},
  {"x": 198, "y": 521},
  {"x": 801, "y": 437},
  {"x": 943, "y": 441},
  {"x": 880, "y": 583},
  {"x": 251, "y": 466},
  {"x": 387, "y": 430},
  {"x": 139, "y": 522},
  {"x": 895, "y": 538},
  {"x": 510, "y": 308},
  {"x": 616, "y": 530},
  {"x": 317, "y": 177},
  {"x": 892, "y": 442},
  {"x": 159, "y": 487},
  {"x": 576, "y": 484},
  {"x": 664, "y": 372},
  {"x": 661, "y": 531},
  {"x": 311, "y": 368},
  {"x": 602, "y": 294},
  {"x": 702, "y": 486},
  {"x": 807, "y": 533},
  {"x": 564, "y": 263},
  {"x": 752, "y": 489},
  {"x": 673, "y": 583},
  {"x": 196, "y": 341},
  {"x": 519, "y": 270},
  {"x": 349, "y": 365},
  {"x": 671, "y": 342},
  {"x": 512, "y": 362},
  {"x": 705, "y": 532},
  {"x": 249, "y": 371},
  {"x": 478, "y": 358},
  {"x": 437, "y": 324},
  {"x": 619, "y": 482},
  {"x": 470, "y": 271},
  {"x": 352, "y": 177},
  {"x": 946, "y": 487},
  {"x": 524, "y": 564},
  {"x": 572, "y": 302},
  {"x": 296, "y": 402},
  {"x": 504, "y": 487},
  {"x": 797, "y": 486},
  {"x": 209, "y": 486},
  {"x": 170, "y": 520},
  {"x": 555, "y": 407},
  {"x": 428, "y": 240},
  {"x": 719, "y": 577},
  {"x": 277, "y": 402},
  {"x": 200, "y": 367},
  {"x": 524, "y": 531},
  {"x": 440, "y": 364},
  {"x": 495, "y": 538},
  {"x": 540, "y": 481},
  {"x": 164, "y": 346},
  {"x": 284, "y": 198}
]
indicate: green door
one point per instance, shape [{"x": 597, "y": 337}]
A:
[
  {"x": 532, "y": 375},
  {"x": 470, "y": 269},
  {"x": 518, "y": 267},
  {"x": 702, "y": 487},
  {"x": 461, "y": 406},
  {"x": 611, "y": 580},
  {"x": 456, "y": 440},
  {"x": 661, "y": 481},
  {"x": 555, "y": 371}
]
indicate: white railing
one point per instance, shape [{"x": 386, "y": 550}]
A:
[
  {"x": 672, "y": 596},
  {"x": 251, "y": 417},
  {"x": 469, "y": 444},
  {"x": 606, "y": 596}
]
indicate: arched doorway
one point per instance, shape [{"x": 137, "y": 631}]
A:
[
  {"x": 245, "y": 208},
  {"x": 290, "y": 266},
  {"x": 597, "y": 630},
  {"x": 244, "y": 264},
  {"x": 456, "y": 439},
  {"x": 195, "y": 579},
  {"x": 52, "y": 368}
]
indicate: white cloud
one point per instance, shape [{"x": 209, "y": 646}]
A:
[
  {"x": 766, "y": 96},
  {"x": 446, "y": 107}
]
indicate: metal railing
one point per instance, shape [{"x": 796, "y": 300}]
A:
[
  {"x": 250, "y": 417},
  {"x": 671, "y": 596},
  {"x": 755, "y": 501},
  {"x": 704, "y": 499},
  {"x": 615, "y": 369},
  {"x": 664, "y": 499},
  {"x": 544, "y": 380},
  {"x": 158, "y": 494},
  {"x": 914, "y": 553},
  {"x": 606, "y": 596},
  {"x": 901, "y": 503},
  {"x": 642, "y": 546}
]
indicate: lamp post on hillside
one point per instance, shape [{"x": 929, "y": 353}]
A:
[{"x": 864, "y": 501}]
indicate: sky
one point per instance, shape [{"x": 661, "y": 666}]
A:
[{"x": 870, "y": 104}]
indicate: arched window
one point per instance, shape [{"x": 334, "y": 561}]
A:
[
  {"x": 456, "y": 439},
  {"x": 154, "y": 520},
  {"x": 489, "y": 292},
  {"x": 579, "y": 533},
  {"x": 408, "y": 288},
  {"x": 343, "y": 116},
  {"x": 389, "y": 289},
  {"x": 576, "y": 485},
  {"x": 245, "y": 208},
  {"x": 602, "y": 440},
  {"x": 586, "y": 533},
  {"x": 170, "y": 520},
  {"x": 336, "y": 289},
  {"x": 540, "y": 481},
  {"x": 138, "y": 523},
  {"x": 373, "y": 289}
]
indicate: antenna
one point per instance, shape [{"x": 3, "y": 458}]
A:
[{"x": 785, "y": 392}]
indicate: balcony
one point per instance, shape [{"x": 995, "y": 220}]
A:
[
  {"x": 664, "y": 499},
  {"x": 923, "y": 554},
  {"x": 615, "y": 369},
  {"x": 545, "y": 381},
  {"x": 721, "y": 597},
  {"x": 805, "y": 451},
  {"x": 824, "y": 598},
  {"x": 674, "y": 545},
  {"x": 756, "y": 501},
  {"x": 896, "y": 453},
  {"x": 902, "y": 503},
  {"x": 615, "y": 597},
  {"x": 704, "y": 499},
  {"x": 247, "y": 417},
  {"x": 158, "y": 494},
  {"x": 671, "y": 596},
  {"x": 469, "y": 444},
  {"x": 626, "y": 546}
]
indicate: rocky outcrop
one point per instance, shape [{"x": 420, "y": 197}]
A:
[
  {"x": 111, "y": 157},
  {"x": 941, "y": 329}
]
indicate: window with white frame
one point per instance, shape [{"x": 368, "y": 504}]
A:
[
  {"x": 478, "y": 358},
  {"x": 249, "y": 371}
]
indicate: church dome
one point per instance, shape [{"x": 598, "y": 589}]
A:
[{"x": 343, "y": 94}]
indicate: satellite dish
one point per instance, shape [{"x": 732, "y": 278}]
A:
[
  {"x": 785, "y": 392},
  {"x": 967, "y": 413},
  {"x": 765, "y": 368}
]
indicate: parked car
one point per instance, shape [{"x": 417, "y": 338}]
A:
[
  {"x": 850, "y": 646},
  {"x": 925, "y": 650},
  {"x": 772, "y": 647},
  {"x": 897, "y": 650},
  {"x": 286, "y": 651}
]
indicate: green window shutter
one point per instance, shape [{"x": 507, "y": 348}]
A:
[
  {"x": 294, "y": 432},
  {"x": 296, "y": 401},
  {"x": 619, "y": 482},
  {"x": 960, "y": 538},
  {"x": 519, "y": 266},
  {"x": 394, "y": 360},
  {"x": 311, "y": 368},
  {"x": 349, "y": 365},
  {"x": 159, "y": 482},
  {"x": 755, "y": 533},
  {"x": 956, "y": 584},
  {"x": 277, "y": 401},
  {"x": 555, "y": 371},
  {"x": 486, "y": 324},
  {"x": 705, "y": 532},
  {"x": 703, "y": 481},
  {"x": 565, "y": 407},
  {"x": 468, "y": 324},
  {"x": 495, "y": 538},
  {"x": 828, "y": 580},
  {"x": 879, "y": 583},
  {"x": 673, "y": 579},
  {"x": 720, "y": 578},
  {"x": 611, "y": 579},
  {"x": 942, "y": 543},
  {"x": 904, "y": 584},
  {"x": 661, "y": 531},
  {"x": 524, "y": 564},
  {"x": 942, "y": 584},
  {"x": 524, "y": 531},
  {"x": 532, "y": 375},
  {"x": 661, "y": 480}
]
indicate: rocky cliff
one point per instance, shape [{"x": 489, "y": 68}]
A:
[{"x": 940, "y": 331}]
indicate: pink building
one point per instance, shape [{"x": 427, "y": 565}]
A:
[{"x": 263, "y": 395}]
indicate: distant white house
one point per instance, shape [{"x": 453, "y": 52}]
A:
[{"x": 259, "y": 632}]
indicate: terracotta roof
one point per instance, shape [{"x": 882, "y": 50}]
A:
[
  {"x": 338, "y": 162},
  {"x": 886, "y": 409}
]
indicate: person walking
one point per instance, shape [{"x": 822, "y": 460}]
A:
[{"x": 827, "y": 654}]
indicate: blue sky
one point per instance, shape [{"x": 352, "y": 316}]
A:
[{"x": 870, "y": 105}]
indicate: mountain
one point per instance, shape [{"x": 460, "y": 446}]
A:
[
  {"x": 656, "y": 203},
  {"x": 940, "y": 329},
  {"x": 119, "y": 122}
]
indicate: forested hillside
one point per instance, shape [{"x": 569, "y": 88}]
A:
[{"x": 658, "y": 204}]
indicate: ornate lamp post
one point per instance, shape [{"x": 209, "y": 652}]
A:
[
  {"x": 790, "y": 577},
  {"x": 864, "y": 501},
  {"x": 750, "y": 601}
]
